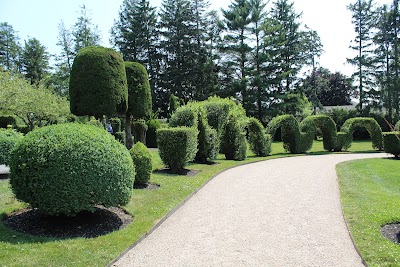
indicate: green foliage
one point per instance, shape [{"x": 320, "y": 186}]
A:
[
  {"x": 35, "y": 106},
  {"x": 260, "y": 143},
  {"x": 142, "y": 160},
  {"x": 294, "y": 140},
  {"x": 344, "y": 141},
  {"x": 139, "y": 129},
  {"x": 391, "y": 143},
  {"x": 233, "y": 138},
  {"x": 151, "y": 134},
  {"x": 98, "y": 84},
  {"x": 7, "y": 120},
  {"x": 116, "y": 124},
  {"x": 327, "y": 127},
  {"x": 139, "y": 102},
  {"x": 177, "y": 146},
  {"x": 370, "y": 125},
  {"x": 95, "y": 122},
  {"x": 174, "y": 103},
  {"x": 397, "y": 126},
  {"x": 8, "y": 140},
  {"x": 35, "y": 61},
  {"x": 184, "y": 116},
  {"x": 120, "y": 136},
  {"x": 68, "y": 168}
]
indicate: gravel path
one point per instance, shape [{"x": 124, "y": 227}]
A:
[
  {"x": 281, "y": 212},
  {"x": 4, "y": 169}
]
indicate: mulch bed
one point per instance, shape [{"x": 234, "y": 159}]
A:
[
  {"x": 183, "y": 172},
  {"x": 147, "y": 186},
  {"x": 84, "y": 224},
  {"x": 392, "y": 232}
]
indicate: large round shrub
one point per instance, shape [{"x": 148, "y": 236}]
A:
[
  {"x": 142, "y": 160},
  {"x": 98, "y": 84},
  {"x": 68, "y": 168},
  {"x": 8, "y": 139}
]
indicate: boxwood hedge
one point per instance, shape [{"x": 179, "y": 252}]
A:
[
  {"x": 68, "y": 168},
  {"x": 177, "y": 146},
  {"x": 142, "y": 160},
  {"x": 260, "y": 143},
  {"x": 391, "y": 143}
]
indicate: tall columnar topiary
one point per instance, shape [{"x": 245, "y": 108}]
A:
[
  {"x": 233, "y": 138},
  {"x": 98, "y": 83},
  {"x": 177, "y": 146},
  {"x": 370, "y": 124},
  {"x": 142, "y": 160},
  {"x": 151, "y": 136},
  {"x": 260, "y": 143},
  {"x": 68, "y": 168},
  {"x": 139, "y": 104},
  {"x": 8, "y": 140}
]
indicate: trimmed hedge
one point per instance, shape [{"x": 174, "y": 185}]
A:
[
  {"x": 391, "y": 143},
  {"x": 98, "y": 84},
  {"x": 68, "y": 168},
  {"x": 260, "y": 143},
  {"x": 95, "y": 122},
  {"x": 184, "y": 116},
  {"x": 142, "y": 160},
  {"x": 151, "y": 135},
  {"x": 139, "y": 129},
  {"x": 8, "y": 139},
  {"x": 177, "y": 146},
  {"x": 115, "y": 124},
  {"x": 7, "y": 120},
  {"x": 294, "y": 141},
  {"x": 370, "y": 125},
  {"x": 233, "y": 138}
]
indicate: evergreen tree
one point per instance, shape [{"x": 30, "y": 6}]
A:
[
  {"x": 237, "y": 20},
  {"x": 363, "y": 19},
  {"x": 84, "y": 32},
  {"x": 35, "y": 61},
  {"x": 9, "y": 47}
]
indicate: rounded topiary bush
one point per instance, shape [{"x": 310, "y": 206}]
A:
[
  {"x": 391, "y": 143},
  {"x": 233, "y": 139},
  {"x": 142, "y": 160},
  {"x": 68, "y": 168},
  {"x": 98, "y": 84},
  {"x": 260, "y": 143},
  {"x": 8, "y": 139}
]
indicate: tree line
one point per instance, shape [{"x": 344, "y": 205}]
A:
[{"x": 252, "y": 51}]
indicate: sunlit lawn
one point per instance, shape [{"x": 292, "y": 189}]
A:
[
  {"x": 147, "y": 206},
  {"x": 370, "y": 192}
]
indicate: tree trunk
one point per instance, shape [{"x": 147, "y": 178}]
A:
[{"x": 128, "y": 131}]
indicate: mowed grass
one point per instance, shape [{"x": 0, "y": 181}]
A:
[
  {"x": 147, "y": 206},
  {"x": 370, "y": 193}
]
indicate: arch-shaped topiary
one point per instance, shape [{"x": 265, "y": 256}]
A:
[
  {"x": 293, "y": 139},
  {"x": 327, "y": 127},
  {"x": 370, "y": 124},
  {"x": 98, "y": 83}
]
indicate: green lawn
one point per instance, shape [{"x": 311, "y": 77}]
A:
[
  {"x": 147, "y": 207},
  {"x": 370, "y": 193}
]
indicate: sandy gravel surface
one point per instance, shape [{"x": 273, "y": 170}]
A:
[{"x": 281, "y": 212}]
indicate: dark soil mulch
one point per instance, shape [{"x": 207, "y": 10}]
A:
[
  {"x": 3, "y": 176},
  {"x": 392, "y": 232},
  {"x": 146, "y": 186},
  {"x": 183, "y": 172},
  {"x": 85, "y": 224}
]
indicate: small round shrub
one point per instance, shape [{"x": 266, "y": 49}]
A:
[
  {"x": 142, "y": 160},
  {"x": 177, "y": 146},
  {"x": 260, "y": 143},
  {"x": 151, "y": 134},
  {"x": 8, "y": 140},
  {"x": 68, "y": 168}
]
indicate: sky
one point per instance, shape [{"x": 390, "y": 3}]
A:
[{"x": 40, "y": 18}]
